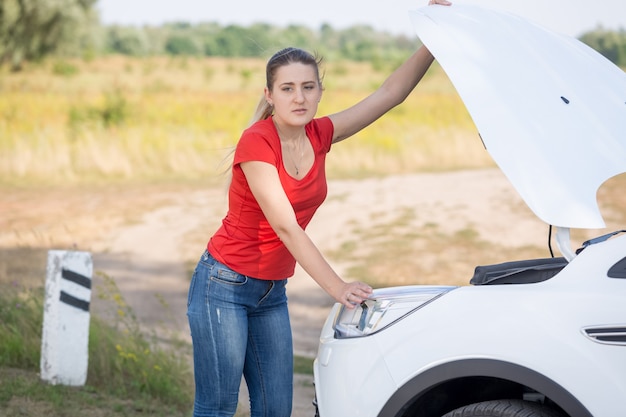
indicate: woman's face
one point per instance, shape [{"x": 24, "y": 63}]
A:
[{"x": 295, "y": 94}]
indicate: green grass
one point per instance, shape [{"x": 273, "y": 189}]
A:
[
  {"x": 302, "y": 365},
  {"x": 133, "y": 363},
  {"x": 23, "y": 394}
]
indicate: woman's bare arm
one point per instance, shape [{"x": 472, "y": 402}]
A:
[
  {"x": 267, "y": 190},
  {"x": 392, "y": 92}
]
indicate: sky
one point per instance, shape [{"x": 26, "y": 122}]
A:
[{"x": 570, "y": 17}]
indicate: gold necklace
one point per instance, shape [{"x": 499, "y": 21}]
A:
[
  {"x": 293, "y": 160},
  {"x": 298, "y": 141}
]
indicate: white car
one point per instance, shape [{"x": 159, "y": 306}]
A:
[{"x": 540, "y": 337}]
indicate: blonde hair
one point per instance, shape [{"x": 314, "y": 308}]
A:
[{"x": 263, "y": 111}]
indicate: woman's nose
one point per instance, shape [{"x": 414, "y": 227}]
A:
[{"x": 299, "y": 96}]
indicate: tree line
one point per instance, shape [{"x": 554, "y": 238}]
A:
[
  {"x": 30, "y": 30},
  {"x": 359, "y": 42}
]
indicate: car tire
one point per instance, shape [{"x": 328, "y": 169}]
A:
[{"x": 504, "y": 408}]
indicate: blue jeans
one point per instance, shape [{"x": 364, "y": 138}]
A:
[{"x": 239, "y": 326}]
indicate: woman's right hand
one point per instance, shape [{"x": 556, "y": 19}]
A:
[{"x": 353, "y": 294}]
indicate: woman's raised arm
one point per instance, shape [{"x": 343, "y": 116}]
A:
[{"x": 392, "y": 92}]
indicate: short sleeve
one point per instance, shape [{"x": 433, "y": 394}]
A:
[
  {"x": 324, "y": 130},
  {"x": 256, "y": 144}
]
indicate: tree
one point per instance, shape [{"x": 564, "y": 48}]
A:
[
  {"x": 611, "y": 44},
  {"x": 32, "y": 29},
  {"x": 127, "y": 40},
  {"x": 180, "y": 45}
]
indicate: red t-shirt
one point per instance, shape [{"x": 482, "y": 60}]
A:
[{"x": 246, "y": 242}]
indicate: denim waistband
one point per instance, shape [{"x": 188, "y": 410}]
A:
[{"x": 210, "y": 259}]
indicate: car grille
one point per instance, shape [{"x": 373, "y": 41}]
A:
[{"x": 607, "y": 335}]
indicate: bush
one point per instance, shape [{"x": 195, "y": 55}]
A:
[
  {"x": 64, "y": 69},
  {"x": 114, "y": 111},
  {"x": 180, "y": 45}
]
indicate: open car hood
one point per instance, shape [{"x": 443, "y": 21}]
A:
[{"x": 550, "y": 110}]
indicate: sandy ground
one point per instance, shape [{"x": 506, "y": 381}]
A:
[{"x": 150, "y": 252}]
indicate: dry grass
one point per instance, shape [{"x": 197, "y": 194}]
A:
[{"x": 148, "y": 119}]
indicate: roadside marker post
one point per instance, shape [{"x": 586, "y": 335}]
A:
[{"x": 65, "y": 336}]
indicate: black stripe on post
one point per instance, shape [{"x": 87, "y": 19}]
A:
[
  {"x": 74, "y": 302},
  {"x": 76, "y": 278}
]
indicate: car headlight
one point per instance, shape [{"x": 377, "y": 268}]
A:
[{"x": 383, "y": 308}]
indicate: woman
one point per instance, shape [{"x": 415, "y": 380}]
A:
[{"x": 237, "y": 305}]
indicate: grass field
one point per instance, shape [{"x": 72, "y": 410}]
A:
[{"x": 153, "y": 118}]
